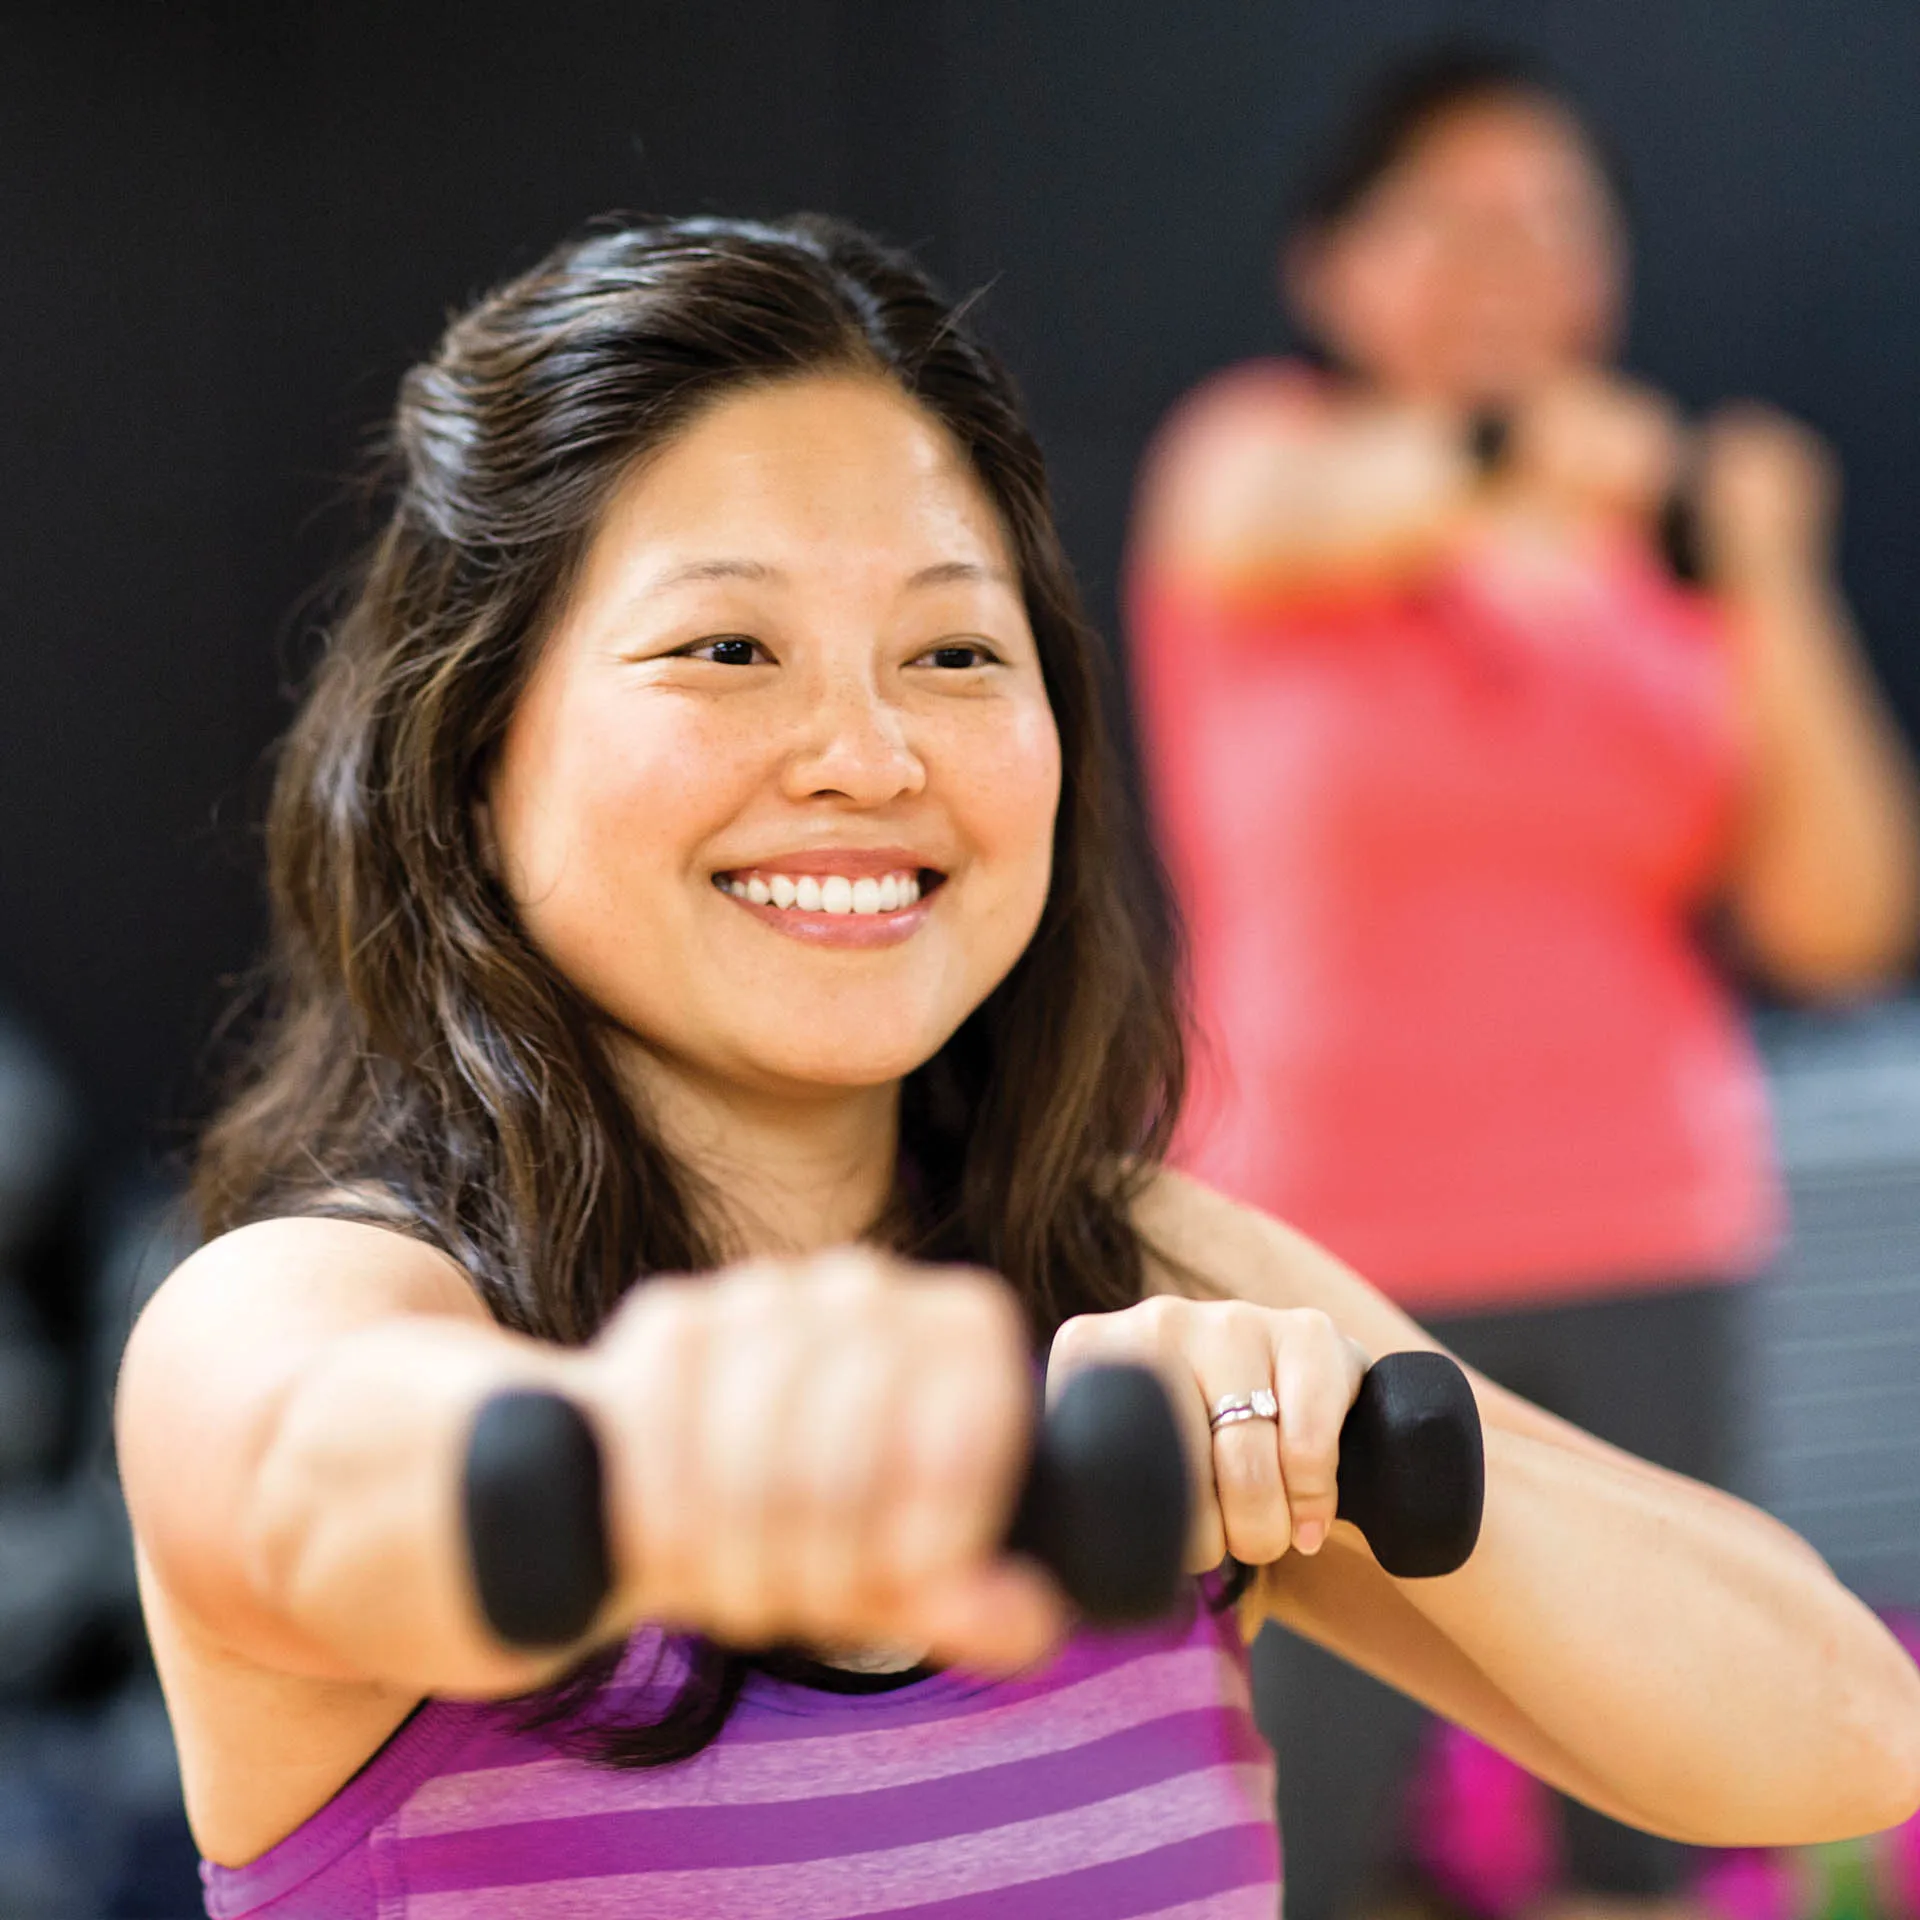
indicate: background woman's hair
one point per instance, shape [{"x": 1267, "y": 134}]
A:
[
  {"x": 1406, "y": 100},
  {"x": 418, "y": 1062}
]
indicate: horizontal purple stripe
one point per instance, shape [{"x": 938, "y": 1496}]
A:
[
  {"x": 763, "y": 1834},
  {"x": 1204, "y": 1867},
  {"x": 859, "y": 1759},
  {"x": 849, "y": 1885}
]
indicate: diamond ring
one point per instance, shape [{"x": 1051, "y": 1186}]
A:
[{"x": 1232, "y": 1408}]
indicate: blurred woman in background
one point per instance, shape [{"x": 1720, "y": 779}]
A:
[{"x": 1452, "y": 770}]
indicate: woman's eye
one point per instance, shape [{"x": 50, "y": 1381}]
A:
[
  {"x": 957, "y": 654},
  {"x": 730, "y": 650}
]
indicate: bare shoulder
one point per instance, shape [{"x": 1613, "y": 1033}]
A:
[
  {"x": 1231, "y": 427},
  {"x": 212, "y": 1357},
  {"x": 315, "y": 1267},
  {"x": 217, "y": 1347},
  {"x": 1263, "y": 399},
  {"x": 1202, "y": 1244},
  {"x": 1206, "y": 1246}
]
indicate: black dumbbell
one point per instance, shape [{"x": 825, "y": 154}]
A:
[
  {"x": 1676, "y": 527},
  {"x": 1105, "y": 1506}
]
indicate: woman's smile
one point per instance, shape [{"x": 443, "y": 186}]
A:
[{"x": 837, "y": 897}]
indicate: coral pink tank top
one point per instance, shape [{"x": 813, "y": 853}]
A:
[{"x": 1440, "y": 850}]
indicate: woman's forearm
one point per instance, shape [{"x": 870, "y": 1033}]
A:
[
  {"x": 1661, "y": 1649},
  {"x": 1314, "y": 504},
  {"x": 1693, "y": 1655},
  {"x": 352, "y": 1530}
]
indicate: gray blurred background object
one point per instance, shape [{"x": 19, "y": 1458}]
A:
[
  {"x": 89, "y": 1792},
  {"x": 1832, "y": 1412}
]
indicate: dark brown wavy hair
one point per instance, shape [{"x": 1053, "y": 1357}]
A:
[{"x": 417, "y": 1061}]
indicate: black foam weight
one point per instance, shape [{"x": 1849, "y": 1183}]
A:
[
  {"x": 535, "y": 1518},
  {"x": 1106, "y": 1504},
  {"x": 1489, "y": 441},
  {"x": 1413, "y": 1474},
  {"x": 1677, "y": 534}
]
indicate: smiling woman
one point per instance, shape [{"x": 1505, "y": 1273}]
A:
[
  {"x": 857, "y": 683},
  {"x": 702, "y": 905},
  {"x": 717, "y": 549}
]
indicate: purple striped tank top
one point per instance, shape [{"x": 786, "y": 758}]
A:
[{"x": 1124, "y": 1780}]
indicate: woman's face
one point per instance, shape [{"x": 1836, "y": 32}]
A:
[
  {"x": 1486, "y": 261},
  {"x": 779, "y": 796}
]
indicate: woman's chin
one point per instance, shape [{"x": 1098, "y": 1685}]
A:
[
  {"x": 849, "y": 1073},
  {"x": 825, "y": 1061}
]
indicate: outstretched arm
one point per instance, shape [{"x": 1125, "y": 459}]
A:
[
  {"x": 822, "y": 1448},
  {"x": 1258, "y": 486},
  {"x": 1658, "y": 1649}
]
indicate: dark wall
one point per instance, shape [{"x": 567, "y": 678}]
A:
[{"x": 225, "y": 229}]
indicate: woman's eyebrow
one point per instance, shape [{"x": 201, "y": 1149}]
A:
[
  {"x": 942, "y": 573},
  {"x": 949, "y": 572},
  {"x": 719, "y": 569}
]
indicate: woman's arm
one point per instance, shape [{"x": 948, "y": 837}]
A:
[
  {"x": 813, "y": 1449},
  {"x": 291, "y": 1419},
  {"x": 1825, "y": 884},
  {"x": 1261, "y": 487},
  {"x": 1654, "y": 1647}
]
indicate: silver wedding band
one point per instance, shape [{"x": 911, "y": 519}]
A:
[{"x": 1232, "y": 1408}]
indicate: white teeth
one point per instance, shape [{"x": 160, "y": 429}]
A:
[{"x": 828, "y": 892}]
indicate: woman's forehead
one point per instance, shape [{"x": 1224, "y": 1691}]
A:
[
  {"x": 771, "y": 477},
  {"x": 1492, "y": 141}
]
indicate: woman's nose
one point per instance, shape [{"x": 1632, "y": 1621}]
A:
[{"x": 853, "y": 744}]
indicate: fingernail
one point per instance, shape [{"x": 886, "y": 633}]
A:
[{"x": 1307, "y": 1538}]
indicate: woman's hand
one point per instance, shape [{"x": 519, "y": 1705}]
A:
[
  {"x": 1260, "y": 1486},
  {"x": 1769, "y": 493},
  {"x": 1600, "y": 444},
  {"x": 827, "y": 1451}
]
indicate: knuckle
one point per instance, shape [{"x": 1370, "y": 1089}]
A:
[
  {"x": 1313, "y": 1323},
  {"x": 1072, "y": 1339},
  {"x": 1159, "y": 1324},
  {"x": 843, "y": 1271},
  {"x": 1237, "y": 1322},
  {"x": 665, "y": 1316},
  {"x": 1312, "y": 1484},
  {"x": 981, "y": 1302}
]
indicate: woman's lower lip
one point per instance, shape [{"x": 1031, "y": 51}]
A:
[{"x": 841, "y": 929}]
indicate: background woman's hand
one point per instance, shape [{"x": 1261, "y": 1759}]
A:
[
  {"x": 1259, "y": 1488},
  {"x": 1596, "y": 443},
  {"x": 1769, "y": 492},
  {"x": 825, "y": 1451}
]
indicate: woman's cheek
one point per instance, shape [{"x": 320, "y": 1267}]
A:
[
  {"x": 636, "y": 804},
  {"x": 1014, "y": 795}
]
